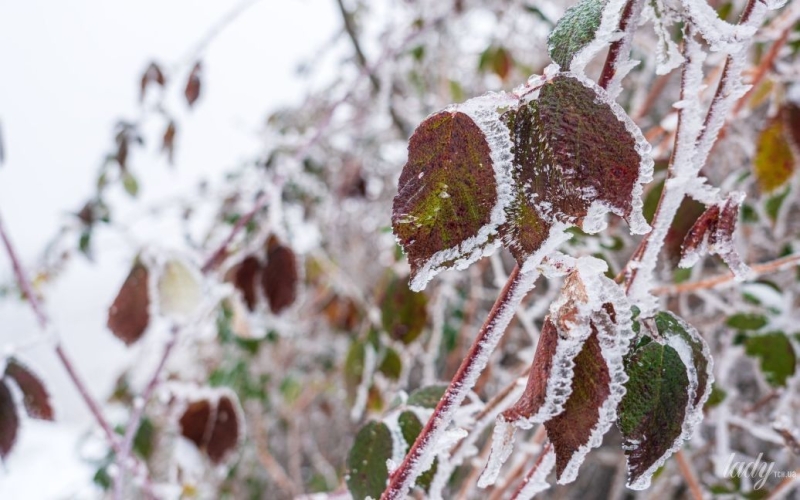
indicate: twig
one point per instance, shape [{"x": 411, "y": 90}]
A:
[
  {"x": 763, "y": 67},
  {"x": 517, "y": 286},
  {"x": 688, "y": 475},
  {"x": 628, "y": 22},
  {"x": 533, "y": 470},
  {"x": 714, "y": 282},
  {"x": 44, "y": 323}
]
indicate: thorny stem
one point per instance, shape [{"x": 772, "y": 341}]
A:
[
  {"x": 401, "y": 480},
  {"x": 44, "y": 323}
]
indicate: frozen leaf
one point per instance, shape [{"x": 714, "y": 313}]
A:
[
  {"x": 213, "y": 424},
  {"x": 9, "y": 421},
  {"x": 279, "y": 278},
  {"x": 714, "y": 232},
  {"x": 245, "y": 277},
  {"x": 578, "y": 156},
  {"x": 366, "y": 464},
  {"x": 129, "y": 315},
  {"x": 775, "y": 354},
  {"x": 653, "y": 409},
  {"x": 669, "y": 382},
  {"x": 130, "y": 183},
  {"x": 179, "y": 289},
  {"x": 152, "y": 74},
  {"x": 168, "y": 141},
  {"x": 774, "y": 161},
  {"x": 427, "y": 397},
  {"x": 35, "y": 396},
  {"x": 574, "y": 31},
  {"x": 192, "y": 90},
  {"x": 453, "y": 190},
  {"x": 404, "y": 313}
]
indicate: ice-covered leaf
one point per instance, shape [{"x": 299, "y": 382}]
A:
[
  {"x": 245, "y": 277},
  {"x": 280, "y": 277},
  {"x": 179, "y": 289},
  {"x": 578, "y": 156},
  {"x": 129, "y": 315},
  {"x": 454, "y": 188},
  {"x": 34, "y": 394},
  {"x": 597, "y": 388},
  {"x": 574, "y": 31},
  {"x": 404, "y": 313},
  {"x": 9, "y": 421},
  {"x": 775, "y": 354},
  {"x": 774, "y": 162},
  {"x": 213, "y": 423},
  {"x": 427, "y": 397},
  {"x": 192, "y": 90},
  {"x": 670, "y": 380},
  {"x": 367, "y": 471},
  {"x": 714, "y": 232}
]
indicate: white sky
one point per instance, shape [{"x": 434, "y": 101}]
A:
[{"x": 68, "y": 72}]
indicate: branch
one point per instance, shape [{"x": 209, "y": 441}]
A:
[
  {"x": 44, "y": 323},
  {"x": 518, "y": 285},
  {"x": 758, "y": 269},
  {"x": 620, "y": 49},
  {"x": 688, "y": 475}
]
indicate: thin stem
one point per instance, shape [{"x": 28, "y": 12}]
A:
[
  {"x": 44, "y": 322},
  {"x": 688, "y": 475},
  {"x": 713, "y": 282},
  {"x": 533, "y": 470},
  {"x": 515, "y": 289},
  {"x": 621, "y": 48}
]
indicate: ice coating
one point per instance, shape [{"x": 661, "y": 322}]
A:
[
  {"x": 719, "y": 34},
  {"x": 605, "y": 34},
  {"x": 537, "y": 482},
  {"x": 483, "y": 111},
  {"x": 502, "y": 446},
  {"x": 668, "y": 56}
]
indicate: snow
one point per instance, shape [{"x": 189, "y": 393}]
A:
[{"x": 668, "y": 56}]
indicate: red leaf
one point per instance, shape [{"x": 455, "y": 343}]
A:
[
  {"x": 152, "y": 74},
  {"x": 245, "y": 275},
  {"x": 213, "y": 425},
  {"x": 9, "y": 421},
  {"x": 35, "y": 396},
  {"x": 280, "y": 277},
  {"x": 192, "y": 91},
  {"x": 129, "y": 316}
]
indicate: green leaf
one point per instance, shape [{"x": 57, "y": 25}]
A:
[
  {"x": 574, "y": 31},
  {"x": 574, "y": 149},
  {"x": 747, "y": 321},
  {"x": 391, "y": 365},
  {"x": 366, "y": 464},
  {"x": 773, "y": 204},
  {"x": 427, "y": 397},
  {"x": 774, "y": 161},
  {"x": 652, "y": 411},
  {"x": 448, "y": 207},
  {"x": 716, "y": 397},
  {"x": 144, "y": 440},
  {"x": 130, "y": 183},
  {"x": 404, "y": 313},
  {"x": 410, "y": 427},
  {"x": 354, "y": 367},
  {"x": 678, "y": 333},
  {"x": 775, "y": 354}
]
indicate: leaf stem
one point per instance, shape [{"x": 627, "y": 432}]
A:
[{"x": 518, "y": 285}]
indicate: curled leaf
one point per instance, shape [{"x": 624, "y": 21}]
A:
[
  {"x": 35, "y": 396},
  {"x": 453, "y": 190},
  {"x": 129, "y": 315}
]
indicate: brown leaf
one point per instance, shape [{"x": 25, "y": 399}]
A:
[
  {"x": 9, "y": 421},
  {"x": 697, "y": 237},
  {"x": 279, "y": 279},
  {"x": 35, "y": 396},
  {"x": 245, "y": 276},
  {"x": 714, "y": 232},
  {"x": 213, "y": 425},
  {"x": 192, "y": 91},
  {"x": 168, "y": 142},
  {"x": 129, "y": 315},
  {"x": 152, "y": 74}
]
